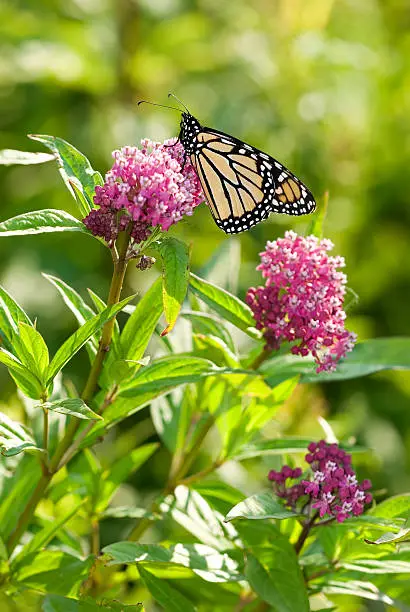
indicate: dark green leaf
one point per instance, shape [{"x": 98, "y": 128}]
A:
[
  {"x": 260, "y": 506},
  {"x": 41, "y": 222},
  {"x": 78, "y": 175},
  {"x": 57, "y": 603},
  {"x": 141, "y": 324},
  {"x": 166, "y": 595},
  {"x": 275, "y": 575},
  {"x": 227, "y": 305},
  {"x": 73, "y": 344},
  {"x": 8, "y": 157},
  {"x": 175, "y": 274},
  {"x": 73, "y": 406}
]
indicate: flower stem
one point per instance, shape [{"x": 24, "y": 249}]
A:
[
  {"x": 307, "y": 526},
  {"x": 120, "y": 267},
  {"x": 263, "y": 355}
]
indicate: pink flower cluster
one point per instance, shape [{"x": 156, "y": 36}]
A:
[
  {"x": 332, "y": 488},
  {"x": 148, "y": 187},
  {"x": 302, "y": 300}
]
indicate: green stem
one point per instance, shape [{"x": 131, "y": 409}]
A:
[
  {"x": 120, "y": 267},
  {"x": 307, "y": 526},
  {"x": 260, "y": 359}
]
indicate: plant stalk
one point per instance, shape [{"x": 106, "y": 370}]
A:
[{"x": 120, "y": 268}]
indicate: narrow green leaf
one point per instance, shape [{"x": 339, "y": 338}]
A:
[
  {"x": 11, "y": 314},
  {"x": 275, "y": 575},
  {"x": 141, "y": 324},
  {"x": 25, "y": 380},
  {"x": 72, "y": 299},
  {"x": 208, "y": 324},
  {"x": 74, "y": 407},
  {"x": 171, "y": 416},
  {"x": 215, "y": 348},
  {"x": 203, "y": 560},
  {"x": 41, "y": 222},
  {"x": 14, "y": 438},
  {"x": 366, "y": 590},
  {"x": 45, "y": 535},
  {"x": 222, "y": 268},
  {"x": 226, "y": 304},
  {"x": 166, "y": 595},
  {"x": 260, "y": 506},
  {"x": 175, "y": 277},
  {"x": 58, "y": 603},
  {"x": 283, "y": 446},
  {"x": 377, "y": 566},
  {"x": 128, "y": 512},
  {"x": 78, "y": 175},
  {"x": 171, "y": 371},
  {"x": 3, "y": 550},
  {"x": 73, "y": 344},
  {"x": 392, "y": 538},
  {"x": 366, "y": 358},
  {"x": 9, "y": 157},
  {"x": 33, "y": 351},
  {"x": 52, "y": 571}
]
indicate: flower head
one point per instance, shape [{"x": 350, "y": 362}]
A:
[
  {"x": 302, "y": 299},
  {"x": 147, "y": 187},
  {"x": 330, "y": 486}
]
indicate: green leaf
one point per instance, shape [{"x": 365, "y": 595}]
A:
[
  {"x": 227, "y": 305},
  {"x": 141, "y": 324},
  {"x": 11, "y": 314},
  {"x": 283, "y": 446},
  {"x": 366, "y": 358},
  {"x": 260, "y": 506},
  {"x": 190, "y": 510},
  {"x": 166, "y": 595},
  {"x": 73, "y": 300},
  {"x": 24, "y": 379},
  {"x": 78, "y": 175},
  {"x": 73, "y": 344},
  {"x": 57, "y": 603},
  {"x": 366, "y": 590},
  {"x": 222, "y": 268},
  {"x": 9, "y": 157},
  {"x": 42, "y": 222},
  {"x": 171, "y": 416},
  {"x": 45, "y": 535},
  {"x": 33, "y": 351},
  {"x": 14, "y": 438},
  {"x": 377, "y": 566},
  {"x": 169, "y": 372},
  {"x": 52, "y": 571},
  {"x": 395, "y": 506},
  {"x": 274, "y": 574},
  {"x": 128, "y": 512},
  {"x": 74, "y": 407},
  {"x": 208, "y": 324},
  {"x": 121, "y": 470},
  {"x": 215, "y": 348},
  {"x": 175, "y": 275},
  {"x": 392, "y": 538},
  {"x": 203, "y": 560}
]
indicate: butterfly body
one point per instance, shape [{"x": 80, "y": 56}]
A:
[{"x": 242, "y": 184}]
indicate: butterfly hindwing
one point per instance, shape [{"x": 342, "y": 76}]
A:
[{"x": 242, "y": 184}]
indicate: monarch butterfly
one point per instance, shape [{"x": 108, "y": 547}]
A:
[{"x": 242, "y": 184}]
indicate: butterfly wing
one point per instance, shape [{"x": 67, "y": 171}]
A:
[{"x": 243, "y": 185}]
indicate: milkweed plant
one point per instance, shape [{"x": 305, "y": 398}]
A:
[{"x": 311, "y": 535}]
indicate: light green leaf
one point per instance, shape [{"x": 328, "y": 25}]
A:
[
  {"x": 215, "y": 348},
  {"x": 33, "y": 351},
  {"x": 377, "y": 566},
  {"x": 73, "y": 344},
  {"x": 222, "y": 268},
  {"x": 260, "y": 506},
  {"x": 171, "y": 416},
  {"x": 366, "y": 590},
  {"x": 11, "y": 314},
  {"x": 45, "y": 535},
  {"x": 72, "y": 299},
  {"x": 227, "y": 305},
  {"x": 206, "y": 562},
  {"x": 141, "y": 324},
  {"x": 57, "y": 603},
  {"x": 78, "y": 175},
  {"x": 9, "y": 157},
  {"x": 403, "y": 535},
  {"x": 318, "y": 220},
  {"x": 73, "y": 406},
  {"x": 283, "y": 446},
  {"x": 208, "y": 324},
  {"x": 175, "y": 274},
  {"x": 14, "y": 438},
  {"x": 52, "y": 571},
  {"x": 366, "y": 358},
  {"x": 128, "y": 512},
  {"x": 395, "y": 506},
  {"x": 166, "y": 595},
  {"x": 275, "y": 575},
  {"x": 41, "y": 222},
  {"x": 25, "y": 380}
]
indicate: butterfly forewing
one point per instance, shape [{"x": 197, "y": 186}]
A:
[{"x": 242, "y": 184}]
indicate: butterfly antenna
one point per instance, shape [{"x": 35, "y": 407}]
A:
[
  {"x": 161, "y": 105},
  {"x": 172, "y": 95}
]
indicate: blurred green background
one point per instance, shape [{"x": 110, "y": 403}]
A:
[{"x": 323, "y": 85}]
